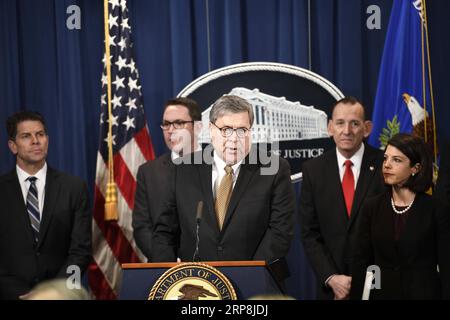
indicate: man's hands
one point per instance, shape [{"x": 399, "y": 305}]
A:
[{"x": 341, "y": 285}]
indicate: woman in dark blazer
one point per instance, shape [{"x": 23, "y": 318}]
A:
[{"x": 404, "y": 231}]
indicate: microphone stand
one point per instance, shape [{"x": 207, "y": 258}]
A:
[{"x": 198, "y": 220}]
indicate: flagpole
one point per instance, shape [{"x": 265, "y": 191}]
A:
[
  {"x": 425, "y": 19},
  {"x": 424, "y": 89},
  {"x": 111, "y": 189}
]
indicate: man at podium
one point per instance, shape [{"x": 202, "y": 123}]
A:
[{"x": 247, "y": 197}]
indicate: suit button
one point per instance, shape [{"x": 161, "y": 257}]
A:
[
  {"x": 220, "y": 248},
  {"x": 38, "y": 254}
]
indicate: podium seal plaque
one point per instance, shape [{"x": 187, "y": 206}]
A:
[{"x": 192, "y": 281}]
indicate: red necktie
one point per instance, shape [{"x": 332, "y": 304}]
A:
[{"x": 348, "y": 186}]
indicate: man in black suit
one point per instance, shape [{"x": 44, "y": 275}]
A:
[
  {"x": 45, "y": 222},
  {"x": 181, "y": 125},
  {"x": 248, "y": 206},
  {"x": 332, "y": 192}
]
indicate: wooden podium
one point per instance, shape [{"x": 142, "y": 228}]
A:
[{"x": 249, "y": 278}]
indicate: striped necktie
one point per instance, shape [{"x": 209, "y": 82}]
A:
[{"x": 33, "y": 207}]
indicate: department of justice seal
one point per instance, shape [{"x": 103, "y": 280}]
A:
[{"x": 192, "y": 281}]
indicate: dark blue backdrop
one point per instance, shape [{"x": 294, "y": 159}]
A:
[
  {"x": 46, "y": 67},
  {"x": 56, "y": 71}
]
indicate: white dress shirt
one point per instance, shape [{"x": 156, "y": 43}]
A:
[
  {"x": 356, "y": 159},
  {"x": 218, "y": 172},
  {"x": 41, "y": 176}
]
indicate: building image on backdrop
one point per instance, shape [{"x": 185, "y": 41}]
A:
[{"x": 276, "y": 119}]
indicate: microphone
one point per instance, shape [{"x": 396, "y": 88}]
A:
[{"x": 198, "y": 219}]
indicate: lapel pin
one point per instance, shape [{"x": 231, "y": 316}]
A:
[{"x": 371, "y": 168}]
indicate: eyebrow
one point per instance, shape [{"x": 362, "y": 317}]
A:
[
  {"x": 396, "y": 157},
  {"x": 30, "y": 132}
]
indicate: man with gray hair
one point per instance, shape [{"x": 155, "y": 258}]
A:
[{"x": 247, "y": 213}]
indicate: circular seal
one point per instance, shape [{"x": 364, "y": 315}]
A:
[
  {"x": 192, "y": 281},
  {"x": 291, "y": 105}
]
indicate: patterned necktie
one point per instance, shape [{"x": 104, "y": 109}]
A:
[
  {"x": 223, "y": 195},
  {"x": 348, "y": 186},
  {"x": 33, "y": 207}
]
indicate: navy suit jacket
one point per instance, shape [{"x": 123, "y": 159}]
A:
[
  {"x": 64, "y": 237},
  {"x": 408, "y": 265},
  {"x": 153, "y": 179},
  {"x": 326, "y": 229},
  {"x": 258, "y": 225}
]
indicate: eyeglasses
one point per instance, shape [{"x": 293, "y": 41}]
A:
[
  {"x": 228, "y": 131},
  {"x": 179, "y": 124}
]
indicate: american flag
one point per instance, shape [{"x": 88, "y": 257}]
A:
[{"x": 113, "y": 242}]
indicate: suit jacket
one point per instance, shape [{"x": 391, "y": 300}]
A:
[
  {"x": 64, "y": 236},
  {"x": 325, "y": 226},
  {"x": 408, "y": 266},
  {"x": 258, "y": 224},
  {"x": 152, "y": 182}
]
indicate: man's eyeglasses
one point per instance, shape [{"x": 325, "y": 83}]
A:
[
  {"x": 176, "y": 124},
  {"x": 228, "y": 131}
]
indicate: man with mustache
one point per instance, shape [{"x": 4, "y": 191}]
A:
[
  {"x": 180, "y": 125},
  {"x": 247, "y": 212},
  {"x": 333, "y": 189},
  {"x": 45, "y": 221}
]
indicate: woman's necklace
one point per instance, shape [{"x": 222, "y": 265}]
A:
[{"x": 401, "y": 211}]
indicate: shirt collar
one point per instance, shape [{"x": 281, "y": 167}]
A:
[
  {"x": 356, "y": 159},
  {"x": 23, "y": 175},
  {"x": 175, "y": 155},
  {"x": 220, "y": 164}
]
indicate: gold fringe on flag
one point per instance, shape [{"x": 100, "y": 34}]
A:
[{"x": 111, "y": 189}]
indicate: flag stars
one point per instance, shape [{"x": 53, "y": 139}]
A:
[
  {"x": 131, "y": 104},
  {"x": 104, "y": 59},
  {"x": 111, "y": 41},
  {"x": 124, "y": 24},
  {"x": 122, "y": 44},
  {"x": 104, "y": 79},
  {"x": 113, "y": 21},
  {"x": 103, "y": 99},
  {"x": 123, "y": 4},
  {"x": 116, "y": 101},
  {"x": 114, "y": 120},
  {"x": 129, "y": 123},
  {"x": 119, "y": 82},
  {"x": 121, "y": 62},
  {"x": 132, "y": 65},
  {"x": 132, "y": 84},
  {"x": 114, "y": 3},
  {"x": 113, "y": 139}
]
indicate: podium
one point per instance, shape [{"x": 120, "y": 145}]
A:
[{"x": 249, "y": 278}]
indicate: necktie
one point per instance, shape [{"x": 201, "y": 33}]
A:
[
  {"x": 348, "y": 186},
  {"x": 223, "y": 195},
  {"x": 33, "y": 207}
]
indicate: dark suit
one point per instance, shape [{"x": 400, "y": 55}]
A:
[
  {"x": 64, "y": 236},
  {"x": 326, "y": 228},
  {"x": 152, "y": 180},
  {"x": 408, "y": 265},
  {"x": 258, "y": 224}
]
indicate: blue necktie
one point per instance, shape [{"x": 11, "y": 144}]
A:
[{"x": 33, "y": 207}]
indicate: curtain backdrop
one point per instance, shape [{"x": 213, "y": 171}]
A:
[{"x": 44, "y": 66}]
